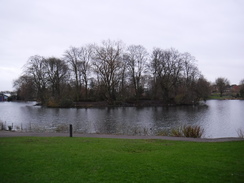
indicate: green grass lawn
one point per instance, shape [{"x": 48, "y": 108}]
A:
[
  {"x": 216, "y": 96},
  {"x": 63, "y": 159}
]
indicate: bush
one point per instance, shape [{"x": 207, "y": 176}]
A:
[
  {"x": 187, "y": 131},
  {"x": 192, "y": 131},
  {"x": 176, "y": 132}
]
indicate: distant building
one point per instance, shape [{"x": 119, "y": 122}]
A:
[
  {"x": 3, "y": 97},
  {"x": 234, "y": 90}
]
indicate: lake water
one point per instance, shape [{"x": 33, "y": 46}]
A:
[{"x": 219, "y": 118}]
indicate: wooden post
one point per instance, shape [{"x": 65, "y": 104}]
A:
[{"x": 70, "y": 130}]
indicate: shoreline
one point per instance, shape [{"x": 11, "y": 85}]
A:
[
  {"x": 139, "y": 103},
  {"x": 49, "y": 134}
]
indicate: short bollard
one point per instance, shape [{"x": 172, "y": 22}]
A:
[{"x": 70, "y": 130}]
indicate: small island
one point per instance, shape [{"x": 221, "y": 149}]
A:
[{"x": 110, "y": 74}]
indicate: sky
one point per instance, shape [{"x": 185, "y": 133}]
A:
[{"x": 210, "y": 30}]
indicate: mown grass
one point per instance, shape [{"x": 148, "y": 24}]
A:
[
  {"x": 216, "y": 96},
  {"x": 63, "y": 159}
]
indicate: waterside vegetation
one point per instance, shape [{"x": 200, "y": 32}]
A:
[
  {"x": 216, "y": 96},
  {"x": 184, "y": 131},
  {"x": 114, "y": 73}
]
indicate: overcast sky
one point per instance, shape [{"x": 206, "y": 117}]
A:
[{"x": 210, "y": 30}]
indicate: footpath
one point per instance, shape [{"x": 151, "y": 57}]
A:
[{"x": 45, "y": 134}]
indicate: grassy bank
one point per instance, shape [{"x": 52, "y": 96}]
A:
[
  {"x": 216, "y": 96},
  {"x": 62, "y": 159}
]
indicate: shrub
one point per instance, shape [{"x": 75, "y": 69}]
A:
[
  {"x": 187, "y": 131},
  {"x": 176, "y": 132},
  {"x": 192, "y": 131}
]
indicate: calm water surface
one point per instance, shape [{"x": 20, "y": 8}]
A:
[{"x": 219, "y": 118}]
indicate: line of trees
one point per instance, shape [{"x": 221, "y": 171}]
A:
[
  {"x": 113, "y": 72},
  {"x": 222, "y": 85}
]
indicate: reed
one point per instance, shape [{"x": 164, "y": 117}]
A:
[
  {"x": 176, "y": 132},
  {"x": 240, "y": 133},
  {"x": 187, "y": 131},
  {"x": 192, "y": 131}
]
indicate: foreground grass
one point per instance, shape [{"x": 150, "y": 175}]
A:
[{"x": 62, "y": 159}]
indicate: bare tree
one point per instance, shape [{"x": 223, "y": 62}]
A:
[
  {"x": 107, "y": 64},
  {"x": 136, "y": 59},
  {"x": 190, "y": 70},
  {"x": 166, "y": 66},
  {"x": 187, "y": 88},
  {"x": 122, "y": 86},
  {"x": 202, "y": 89},
  {"x": 222, "y": 84},
  {"x": 57, "y": 74},
  {"x": 109, "y": 71},
  {"x": 85, "y": 56},
  {"x": 156, "y": 69},
  {"x": 72, "y": 57},
  {"x": 175, "y": 75},
  {"x": 36, "y": 68},
  {"x": 24, "y": 86}
]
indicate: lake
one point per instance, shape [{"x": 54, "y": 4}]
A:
[{"x": 219, "y": 118}]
